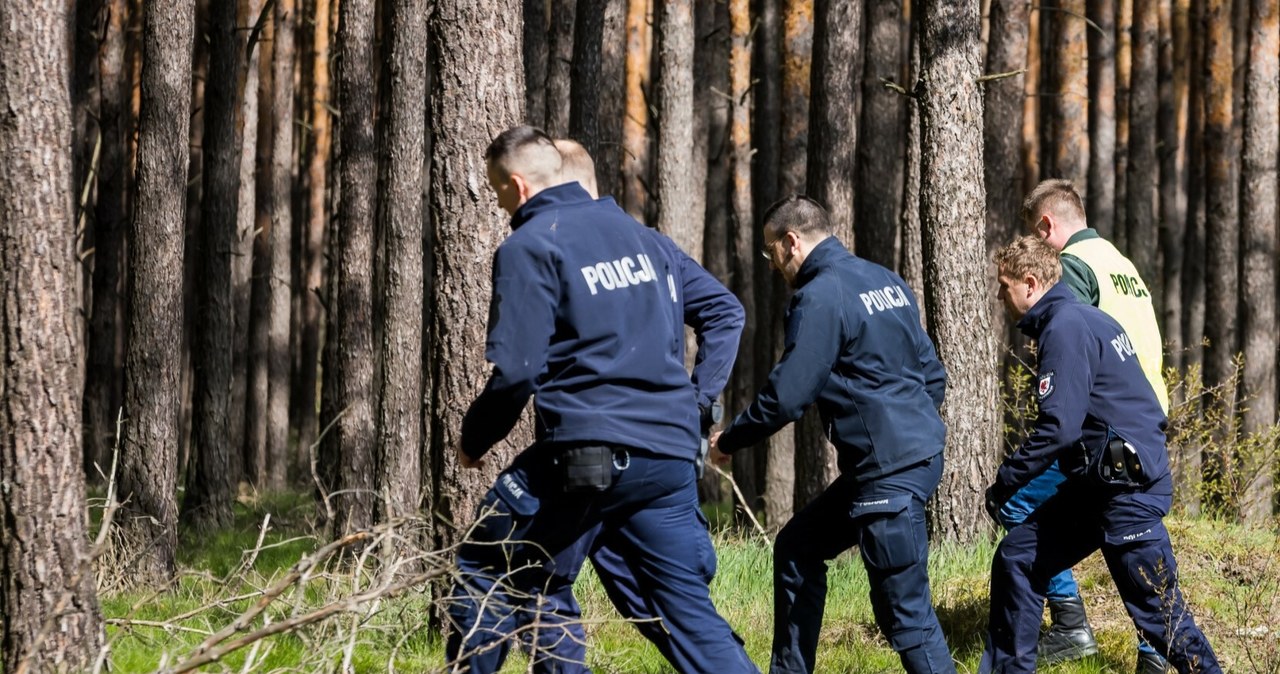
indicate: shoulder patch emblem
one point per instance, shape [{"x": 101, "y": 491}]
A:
[{"x": 1045, "y": 387}]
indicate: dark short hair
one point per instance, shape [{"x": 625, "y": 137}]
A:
[
  {"x": 797, "y": 213},
  {"x": 514, "y": 139},
  {"x": 1055, "y": 195}
]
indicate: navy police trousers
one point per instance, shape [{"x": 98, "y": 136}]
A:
[
  {"x": 529, "y": 543},
  {"x": 885, "y": 517},
  {"x": 1068, "y": 527}
]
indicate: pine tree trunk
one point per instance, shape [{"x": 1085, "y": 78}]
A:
[
  {"x": 1069, "y": 95},
  {"x": 1002, "y": 113},
  {"x": 242, "y": 255},
  {"x": 535, "y": 49},
  {"x": 912, "y": 245},
  {"x": 584, "y": 103},
  {"x": 560, "y": 67},
  {"x": 49, "y": 615},
  {"x": 952, "y": 199},
  {"x": 1169, "y": 143},
  {"x": 635, "y": 129},
  {"x": 1142, "y": 168},
  {"x": 259, "y": 387},
  {"x": 1031, "y": 108},
  {"x": 317, "y": 223},
  {"x": 833, "y": 124},
  {"x": 1259, "y": 219},
  {"x": 609, "y": 154},
  {"x": 152, "y": 399},
  {"x": 281, "y": 245},
  {"x": 467, "y": 232},
  {"x": 879, "y": 175},
  {"x": 1100, "y": 206},
  {"x": 742, "y": 386},
  {"x": 103, "y": 389},
  {"x": 1124, "y": 69},
  {"x": 400, "y": 405},
  {"x": 1222, "y": 228},
  {"x": 676, "y": 174},
  {"x": 210, "y": 484}
]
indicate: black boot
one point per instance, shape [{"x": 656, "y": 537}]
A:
[
  {"x": 1069, "y": 636},
  {"x": 1151, "y": 663}
]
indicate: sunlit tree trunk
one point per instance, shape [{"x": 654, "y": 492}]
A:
[
  {"x": 281, "y": 245},
  {"x": 676, "y": 214},
  {"x": 1002, "y": 121},
  {"x": 1102, "y": 115},
  {"x": 242, "y": 256},
  {"x": 1031, "y": 107},
  {"x": 1069, "y": 95},
  {"x": 259, "y": 387},
  {"x": 1222, "y": 228},
  {"x": 635, "y": 129},
  {"x": 951, "y": 210},
  {"x": 49, "y": 615}
]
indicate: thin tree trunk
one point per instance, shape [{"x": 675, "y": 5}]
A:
[
  {"x": 833, "y": 124},
  {"x": 535, "y": 49},
  {"x": 281, "y": 244},
  {"x": 912, "y": 245},
  {"x": 259, "y": 388},
  {"x": 467, "y": 232},
  {"x": 152, "y": 398},
  {"x": 1069, "y": 96},
  {"x": 610, "y": 155},
  {"x": 400, "y": 403},
  {"x": 353, "y": 435},
  {"x": 1143, "y": 169},
  {"x": 559, "y": 67},
  {"x": 584, "y": 104},
  {"x": 951, "y": 208},
  {"x": 1124, "y": 78},
  {"x": 49, "y": 615},
  {"x": 103, "y": 378},
  {"x": 742, "y": 386},
  {"x": 1002, "y": 114},
  {"x": 316, "y": 226},
  {"x": 1258, "y": 217},
  {"x": 1222, "y": 229},
  {"x": 879, "y": 174},
  {"x": 635, "y": 138},
  {"x": 1100, "y": 206},
  {"x": 676, "y": 214},
  {"x": 1169, "y": 144},
  {"x": 210, "y": 484},
  {"x": 1031, "y": 107}
]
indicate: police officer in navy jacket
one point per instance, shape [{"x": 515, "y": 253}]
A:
[
  {"x": 1100, "y": 420},
  {"x": 587, "y": 316},
  {"x": 854, "y": 346}
]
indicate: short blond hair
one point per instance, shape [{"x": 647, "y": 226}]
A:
[
  {"x": 1057, "y": 197},
  {"x": 576, "y": 164},
  {"x": 1029, "y": 256}
]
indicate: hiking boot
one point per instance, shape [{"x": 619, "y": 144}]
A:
[
  {"x": 1151, "y": 663},
  {"x": 1069, "y": 636}
]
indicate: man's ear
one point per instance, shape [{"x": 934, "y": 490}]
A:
[
  {"x": 521, "y": 187},
  {"x": 1033, "y": 284}
]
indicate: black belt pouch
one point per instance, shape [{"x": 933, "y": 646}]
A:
[{"x": 587, "y": 468}]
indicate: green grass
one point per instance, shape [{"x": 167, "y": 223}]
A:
[{"x": 1231, "y": 576}]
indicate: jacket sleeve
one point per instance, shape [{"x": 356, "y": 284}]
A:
[
  {"x": 716, "y": 317},
  {"x": 1080, "y": 278},
  {"x": 1068, "y": 361},
  {"x": 522, "y": 315},
  {"x": 813, "y": 340}
]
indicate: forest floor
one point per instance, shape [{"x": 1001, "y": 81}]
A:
[{"x": 1230, "y": 575}]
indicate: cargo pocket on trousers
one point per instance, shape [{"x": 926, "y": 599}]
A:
[
  {"x": 505, "y": 511},
  {"x": 888, "y": 539}
]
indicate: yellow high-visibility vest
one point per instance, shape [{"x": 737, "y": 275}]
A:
[{"x": 1124, "y": 296}]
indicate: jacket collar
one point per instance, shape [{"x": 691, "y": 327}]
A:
[
  {"x": 1083, "y": 235},
  {"x": 1032, "y": 324},
  {"x": 551, "y": 198},
  {"x": 822, "y": 255}
]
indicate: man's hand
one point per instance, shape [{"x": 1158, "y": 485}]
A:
[
  {"x": 718, "y": 457},
  {"x": 466, "y": 461},
  {"x": 995, "y": 500}
]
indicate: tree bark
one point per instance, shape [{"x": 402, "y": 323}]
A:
[
  {"x": 259, "y": 386},
  {"x": 715, "y": 40},
  {"x": 879, "y": 174},
  {"x": 152, "y": 398},
  {"x": 103, "y": 389},
  {"x": 1100, "y": 206},
  {"x": 281, "y": 245},
  {"x": 584, "y": 103},
  {"x": 1069, "y": 95},
  {"x": 610, "y": 156},
  {"x": 468, "y": 229},
  {"x": 1124, "y": 70},
  {"x": 1171, "y": 88},
  {"x": 317, "y": 224},
  {"x": 635, "y": 129},
  {"x": 1222, "y": 229},
  {"x": 400, "y": 405},
  {"x": 676, "y": 173},
  {"x": 210, "y": 483},
  {"x": 912, "y": 245},
  {"x": 1186, "y": 459},
  {"x": 559, "y": 67},
  {"x": 535, "y": 50},
  {"x": 833, "y": 124},
  {"x": 955, "y": 284},
  {"x": 742, "y": 386},
  {"x": 353, "y": 434},
  {"x": 1143, "y": 169},
  {"x": 1031, "y": 107},
  {"x": 1002, "y": 113},
  {"x": 49, "y": 615},
  {"x": 1258, "y": 218}
]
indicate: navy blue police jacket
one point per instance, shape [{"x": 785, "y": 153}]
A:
[
  {"x": 854, "y": 346},
  {"x": 1090, "y": 387},
  {"x": 587, "y": 316}
]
